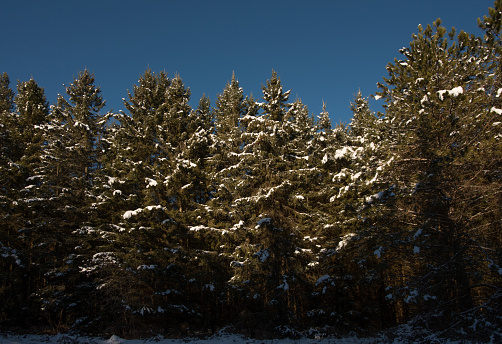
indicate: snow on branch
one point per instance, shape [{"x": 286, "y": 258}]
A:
[
  {"x": 130, "y": 213},
  {"x": 455, "y": 92}
]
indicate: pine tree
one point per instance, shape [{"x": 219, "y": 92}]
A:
[{"x": 436, "y": 107}]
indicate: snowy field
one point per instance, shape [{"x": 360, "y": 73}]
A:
[{"x": 218, "y": 339}]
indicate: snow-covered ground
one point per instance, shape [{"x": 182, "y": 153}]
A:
[{"x": 217, "y": 339}]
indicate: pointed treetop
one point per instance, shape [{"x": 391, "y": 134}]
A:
[
  {"x": 83, "y": 93},
  {"x": 31, "y": 103},
  {"x": 230, "y": 108},
  {"x": 323, "y": 120},
  {"x": 6, "y": 94},
  {"x": 275, "y": 105}
]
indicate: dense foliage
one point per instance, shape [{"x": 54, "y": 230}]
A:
[{"x": 259, "y": 215}]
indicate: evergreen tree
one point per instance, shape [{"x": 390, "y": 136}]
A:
[
  {"x": 12, "y": 262},
  {"x": 6, "y": 94},
  {"x": 143, "y": 145},
  {"x": 172, "y": 219},
  {"x": 230, "y": 107},
  {"x": 76, "y": 127},
  {"x": 354, "y": 167},
  {"x": 33, "y": 112},
  {"x": 154, "y": 184},
  {"x": 436, "y": 107},
  {"x": 299, "y": 153},
  {"x": 63, "y": 185},
  {"x": 275, "y": 105},
  {"x": 7, "y": 134},
  {"x": 323, "y": 120},
  {"x": 225, "y": 161},
  {"x": 267, "y": 236},
  {"x": 182, "y": 170}
]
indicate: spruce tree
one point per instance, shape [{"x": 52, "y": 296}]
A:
[
  {"x": 64, "y": 184},
  {"x": 7, "y": 134},
  {"x": 33, "y": 111},
  {"x": 275, "y": 105},
  {"x": 354, "y": 166},
  {"x": 230, "y": 108},
  {"x": 6, "y": 95},
  {"x": 76, "y": 127},
  {"x": 225, "y": 160},
  {"x": 33, "y": 114},
  {"x": 12, "y": 259}
]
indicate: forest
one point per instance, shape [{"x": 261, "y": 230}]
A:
[{"x": 256, "y": 215}]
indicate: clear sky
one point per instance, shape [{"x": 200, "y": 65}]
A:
[{"x": 322, "y": 50}]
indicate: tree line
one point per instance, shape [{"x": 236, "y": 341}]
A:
[{"x": 257, "y": 214}]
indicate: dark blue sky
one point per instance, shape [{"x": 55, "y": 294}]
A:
[{"x": 322, "y": 50}]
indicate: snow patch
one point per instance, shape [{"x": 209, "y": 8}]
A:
[
  {"x": 347, "y": 152},
  {"x": 147, "y": 267},
  {"x": 325, "y": 159},
  {"x": 378, "y": 252},
  {"x": 441, "y": 94},
  {"x": 455, "y": 92},
  {"x": 375, "y": 197},
  {"x": 262, "y": 255},
  {"x": 262, "y": 221},
  {"x": 345, "y": 240},
  {"x": 417, "y": 234},
  {"x": 322, "y": 279},
  {"x": 497, "y": 111},
  {"x": 150, "y": 182},
  {"x": 412, "y": 296},
  {"x": 130, "y": 213},
  {"x": 236, "y": 264},
  {"x": 115, "y": 340},
  {"x": 284, "y": 284}
]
